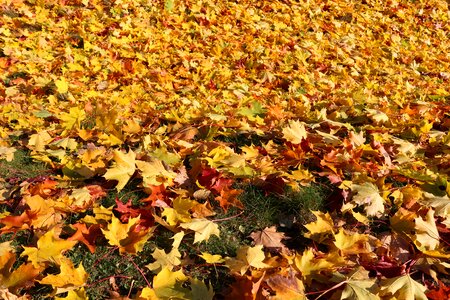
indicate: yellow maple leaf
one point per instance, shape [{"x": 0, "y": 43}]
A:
[
  {"x": 167, "y": 260},
  {"x": 62, "y": 86},
  {"x": 426, "y": 233},
  {"x": 126, "y": 236},
  {"x": 39, "y": 140},
  {"x": 203, "y": 229},
  {"x": 247, "y": 257},
  {"x": 321, "y": 228},
  {"x": 73, "y": 119},
  {"x": 311, "y": 266},
  {"x": 180, "y": 211},
  {"x": 168, "y": 285},
  {"x": 286, "y": 287},
  {"x": 351, "y": 242},
  {"x": 402, "y": 287},
  {"x": 154, "y": 172},
  {"x": 7, "y": 153},
  {"x": 368, "y": 196},
  {"x": 69, "y": 277},
  {"x": 20, "y": 276},
  {"x": 45, "y": 210},
  {"x": 11, "y": 277},
  {"x": 123, "y": 169},
  {"x": 295, "y": 132},
  {"x": 49, "y": 248}
]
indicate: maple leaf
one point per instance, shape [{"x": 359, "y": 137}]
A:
[
  {"x": 45, "y": 188},
  {"x": 45, "y": 211},
  {"x": 7, "y": 153},
  {"x": 62, "y": 85},
  {"x": 21, "y": 276},
  {"x": 228, "y": 197},
  {"x": 403, "y": 221},
  {"x": 86, "y": 235},
  {"x": 402, "y": 287},
  {"x": 39, "y": 140},
  {"x": 295, "y": 132},
  {"x": 7, "y": 258},
  {"x": 427, "y": 235},
  {"x": 203, "y": 229},
  {"x": 73, "y": 119},
  {"x": 14, "y": 223},
  {"x": 158, "y": 195},
  {"x": 167, "y": 260},
  {"x": 201, "y": 291},
  {"x": 321, "y": 228},
  {"x": 247, "y": 257},
  {"x": 358, "y": 285},
  {"x": 69, "y": 277},
  {"x": 127, "y": 211},
  {"x": 81, "y": 199},
  {"x": 268, "y": 237},
  {"x": 350, "y": 243},
  {"x": 126, "y": 236},
  {"x": 311, "y": 266},
  {"x": 442, "y": 293},
  {"x": 368, "y": 196},
  {"x": 154, "y": 172},
  {"x": 5, "y": 294},
  {"x": 123, "y": 170},
  {"x": 440, "y": 204},
  {"x": 286, "y": 287},
  {"x": 180, "y": 210},
  {"x": 49, "y": 248},
  {"x": 243, "y": 288},
  {"x": 167, "y": 285}
]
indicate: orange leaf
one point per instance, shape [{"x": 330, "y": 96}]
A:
[
  {"x": 45, "y": 188},
  {"x": 86, "y": 235},
  {"x": 228, "y": 198}
]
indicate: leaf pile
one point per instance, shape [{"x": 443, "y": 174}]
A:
[{"x": 191, "y": 98}]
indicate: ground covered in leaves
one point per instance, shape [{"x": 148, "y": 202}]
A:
[{"x": 224, "y": 149}]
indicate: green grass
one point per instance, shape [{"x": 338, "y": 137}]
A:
[{"x": 22, "y": 167}]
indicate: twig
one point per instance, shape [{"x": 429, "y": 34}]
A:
[
  {"x": 106, "y": 254},
  {"x": 140, "y": 271},
  {"x": 228, "y": 218}
]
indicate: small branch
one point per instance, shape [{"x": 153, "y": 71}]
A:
[
  {"x": 105, "y": 255},
  {"x": 140, "y": 271},
  {"x": 228, "y": 218}
]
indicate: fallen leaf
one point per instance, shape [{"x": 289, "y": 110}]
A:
[
  {"x": 203, "y": 229},
  {"x": 127, "y": 236},
  {"x": 402, "y": 288},
  {"x": 123, "y": 169},
  {"x": 50, "y": 249},
  {"x": 268, "y": 237},
  {"x": 68, "y": 279}
]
